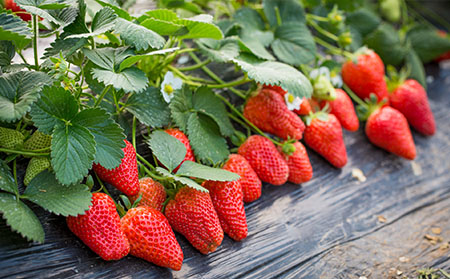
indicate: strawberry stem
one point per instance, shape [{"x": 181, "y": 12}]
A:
[
  {"x": 22, "y": 152},
  {"x": 133, "y": 134},
  {"x": 354, "y": 96},
  {"x": 196, "y": 66}
]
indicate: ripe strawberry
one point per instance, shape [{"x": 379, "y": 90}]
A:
[
  {"x": 268, "y": 111},
  {"x": 305, "y": 107},
  {"x": 35, "y": 167},
  {"x": 446, "y": 55},
  {"x": 228, "y": 202},
  {"x": 387, "y": 128},
  {"x": 192, "y": 214},
  {"x": 300, "y": 169},
  {"x": 153, "y": 193},
  {"x": 182, "y": 137},
  {"x": 342, "y": 107},
  {"x": 10, "y": 138},
  {"x": 324, "y": 135},
  {"x": 11, "y": 5},
  {"x": 38, "y": 140},
  {"x": 151, "y": 237},
  {"x": 366, "y": 76},
  {"x": 264, "y": 158},
  {"x": 125, "y": 176},
  {"x": 411, "y": 100},
  {"x": 99, "y": 228},
  {"x": 251, "y": 184}
]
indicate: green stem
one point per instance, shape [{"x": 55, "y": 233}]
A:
[
  {"x": 21, "y": 152},
  {"x": 196, "y": 66},
  {"x": 333, "y": 49},
  {"x": 323, "y": 31},
  {"x": 316, "y": 17},
  {"x": 144, "y": 161},
  {"x": 354, "y": 96},
  {"x": 277, "y": 14},
  {"x": 245, "y": 79},
  {"x": 154, "y": 176},
  {"x": 102, "y": 95},
  {"x": 15, "y": 176},
  {"x": 21, "y": 56},
  {"x": 133, "y": 133},
  {"x": 35, "y": 41}
]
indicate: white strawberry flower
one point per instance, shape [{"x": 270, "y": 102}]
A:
[
  {"x": 169, "y": 85},
  {"x": 322, "y": 71},
  {"x": 336, "y": 79},
  {"x": 292, "y": 103}
]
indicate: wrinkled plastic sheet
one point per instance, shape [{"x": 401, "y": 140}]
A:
[{"x": 331, "y": 227}]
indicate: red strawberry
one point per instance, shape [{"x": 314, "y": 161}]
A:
[
  {"x": 300, "y": 169},
  {"x": 151, "y": 237},
  {"x": 366, "y": 76},
  {"x": 446, "y": 55},
  {"x": 264, "y": 158},
  {"x": 305, "y": 107},
  {"x": 228, "y": 202},
  {"x": 99, "y": 228},
  {"x": 268, "y": 111},
  {"x": 192, "y": 214},
  {"x": 11, "y": 5},
  {"x": 125, "y": 176},
  {"x": 324, "y": 135},
  {"x": 387, "y": 128},
  {"x": 184, "y": 139},
  {"x": 153, "y": 193},
  {"x": 342, "y": 107},
  {"x": 411, "y": 100},
  {"x": 251, "y": 184}
]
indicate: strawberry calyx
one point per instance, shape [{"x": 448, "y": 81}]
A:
[
  {"x": 396, "y": 78},
  {"x": 363, "y": 111},
  {"x": 238, "y": 138},
  {"x": 288, "y": 147},
  {"x": 322, "y": 115}
]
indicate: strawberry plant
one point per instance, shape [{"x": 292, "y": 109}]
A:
[{"x": 111, "y": 80}]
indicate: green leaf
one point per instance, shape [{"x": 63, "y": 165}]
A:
[
  {"x": 162, "y": 14},
  {"x": 191, "y": 169},
  {"x": 20, "y": 218},
  {"x": 180, "y": 107},
  {"x": 204, "y": 136},
  {"x": 162, "y": 27},
  {"x": 205, "y": 101},
  {"x": 386, "y": 43},
  {"x": 168, "y": 150},
  {"x": 7, "y": 182},
  {"x": 129, "y": 80},
  {"x": 249, "y": 19},
  {"x": 63, "y": 17},
  {"x": 58, "y": 13},
  {"x": 149, "y": 107},
  {"x": 427, "y": 43},
  {"x": 130, "y": 61},
  {"x": 275, "y": 73},
  {"x": 198, "y": 27},
  {"x": 108, "y": 58},
  {"x": 289, "y": 11},
  {"x": 12, "y": 28},
  {"x": 78, "y": 26},
  {"x": 72, "y": 152},
  {"x": 18, "y": 91},
  {"x": 104, "y": 20},
  {"x": 109, "y": 137},
  {"x": 185, "y": 181},
  {"x": 67, "y": 47},
  {"x": 55, "y": 106},
  {"x": 416, "y": 68},
  {"x": 138, "y": 36},
  {"x": 47, "y": 192},
  {"x": 7, "y": 53},
  {"x": 363, "y": 20},
  {"x": 119, "y": 11},
  {"x": 294, "y": 44},
  {"x": 220, "y": 51}
]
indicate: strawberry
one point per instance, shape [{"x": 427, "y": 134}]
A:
[
  {"x": 38, "y": 140},
  {"x": 184, "y": 139},
  {"x": 10, "y": 138},
  {"x": 11, "y": 5},
  {"x": 305, "y": 107},
  {"x": 387, "y": 128},
  {"x": 125, "y": 176},
  {"x": 228, "y": 202},
  {"x": 99, "y": 228},
  {"x": 264, "y": 158},
  {"x": 191, "y": 213},
  {"x": 300, "y": 169},
  {"x": 411, "y": 100},
  {"x": 366, "y": 76},
  {"x": 251, "y": 184},
  {"x": 342, "y": 107},
  {"x": 35, "y": 167},
  {"x": 151, "y": 237},
  {"x": 268, "y": 111},
  {"x": 153, "y": 193},
  {"x": 324, "y": 135}
]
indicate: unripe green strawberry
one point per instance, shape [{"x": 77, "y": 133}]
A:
[
  {"x": 35, "y": 167},
  {"x": 10, "y": 138},
  {"x": 37, "y": 141}
]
